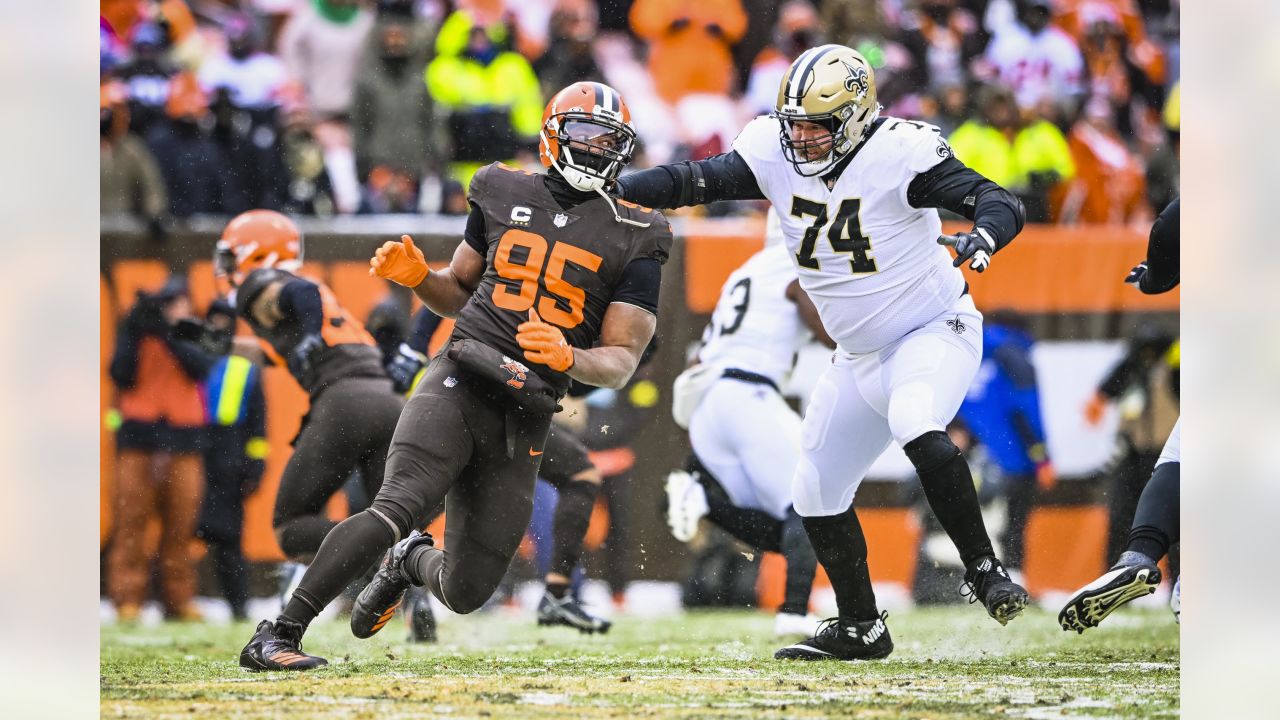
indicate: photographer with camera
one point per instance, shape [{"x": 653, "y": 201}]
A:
[
  {"x": 236, "y": 451},
  {"x": 159, "y": 442}
]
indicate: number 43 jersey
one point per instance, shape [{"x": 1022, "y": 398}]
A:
[
  {"x": 568, "y": 263},
  {"x": 868, "y": 259},
  {"x": 754, "y": 326}
]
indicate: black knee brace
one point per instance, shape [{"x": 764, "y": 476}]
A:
[{"x": 931, "y": 451}]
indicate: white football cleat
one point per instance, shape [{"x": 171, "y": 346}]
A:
[
  {"x": 686, "y": 505},
  {"x": 785, "y": 624},
  {"x": 1175, "y": 601}
]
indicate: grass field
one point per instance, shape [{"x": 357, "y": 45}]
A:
[{"x": 949, "y": 663}]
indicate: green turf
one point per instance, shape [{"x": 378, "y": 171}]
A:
[{"x": 948, "y": 663}]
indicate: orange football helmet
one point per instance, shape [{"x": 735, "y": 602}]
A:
[
  {"x": 256, "y": 239},
  {"x": 587, "y": 135}
]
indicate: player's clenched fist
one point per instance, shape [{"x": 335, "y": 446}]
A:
[
  {"x": 400, "y": 262},
  {"x": 544, "y": 343}
]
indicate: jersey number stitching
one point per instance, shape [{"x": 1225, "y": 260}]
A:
[
  {"x": 551, "y": 275},
  {"x": 845, "y": 234}
]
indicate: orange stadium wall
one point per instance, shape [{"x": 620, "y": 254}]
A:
[{"x": 1048, "y": 270}]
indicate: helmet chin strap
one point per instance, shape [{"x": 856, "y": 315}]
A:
[{"x": 588, "y": 183}]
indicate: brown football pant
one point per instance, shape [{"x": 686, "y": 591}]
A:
[{"x": 170, "y": 489}]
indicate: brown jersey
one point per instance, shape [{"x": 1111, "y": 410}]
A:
[
  {"x": 568, "y": 264},
  {"x": 349, "y": 349}
]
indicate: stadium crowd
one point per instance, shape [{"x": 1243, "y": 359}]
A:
[
  {"x": 321, "y": 107},
  {"x": 351, "y": 107}
]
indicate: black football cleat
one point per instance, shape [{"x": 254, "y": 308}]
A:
[
  {"x": 841, "y": 639},
  {"x": 987, "y": 581},
  {"x": 1133, "y": 576},
  {"x": 422, "y": 619},
  {"x": 566, "y": 611},
  {"x": 278, "y": 646},
  {"x": 378, "y": 601}
]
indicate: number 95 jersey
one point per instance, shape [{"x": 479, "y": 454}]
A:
[
  {"x": 568, "y": 263},
  {"x": 868, "y": 259}
]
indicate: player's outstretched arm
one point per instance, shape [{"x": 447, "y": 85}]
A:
[
  {"x": 721, "y": 177},
  {"x": 445, "y": 291}
]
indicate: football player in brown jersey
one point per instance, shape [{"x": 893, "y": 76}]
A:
[
  {"x": 554, "y": 281},
  {"x": 301, "y": 327}
]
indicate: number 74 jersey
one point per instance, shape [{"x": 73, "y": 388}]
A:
[{"x": 867, "y": 258}]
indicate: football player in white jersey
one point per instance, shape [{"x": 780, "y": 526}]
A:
[
  {"x": 1155, "y": 526},
  {"x": 858, "y": 194},
  {"x": 745, "y": 437}
]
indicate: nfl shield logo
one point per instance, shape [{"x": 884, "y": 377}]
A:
[{"x": 560, "y": 220}]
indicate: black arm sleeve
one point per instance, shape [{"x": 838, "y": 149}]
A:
[
  {"x": 424, "y": 326},
  {"x": 301, "y": 299},
  {"x": 196, "y": 363},
  {"x": 475, "y": 234},
  {"x": 720, "y": 177},
  {"x": 1162, "y": 252},
  {"x": 954, "y": 186},
  {"x": 641, "y": 281}
]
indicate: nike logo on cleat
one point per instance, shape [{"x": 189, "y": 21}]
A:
[{"x": 534, "y": 454}]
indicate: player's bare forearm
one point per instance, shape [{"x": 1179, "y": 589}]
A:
[
  {"x": 443, "y": 293},
  {"x": 625, "y": 333},
  {"x": 446, "y": 291},
  {"x": 809, "y": 314}
]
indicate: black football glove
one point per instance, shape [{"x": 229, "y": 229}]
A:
[
  {"x": 404, "y": 367},
  {"x": 303, "y": 356},
  {"x": 1136, "y": 275},
  {"x": 974, "y": 247}
]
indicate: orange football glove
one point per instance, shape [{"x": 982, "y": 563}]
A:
[
  {"x": 1046, "y": 476},
  {"x": 1095, "y": 409},
  {"x": 400, "y": 262},
  {"x": 544, "y": 343}
]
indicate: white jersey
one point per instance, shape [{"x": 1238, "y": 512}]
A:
[
  {"x": 868, "y": 260},
  {"x": 754, "y": 326}
]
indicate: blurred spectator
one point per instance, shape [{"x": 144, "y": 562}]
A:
[
  {"x": 246, "y": 88},
  {"x": 1041, "y": 62},
  {"x": 396, "y": 137},
  {"x": 947, "y": 108},
  {"x": 943, "y": 41},
  {"x": 197, "y": 171},
  {"x": 847, "y": 21},
  {"x": 1110, "y": 186},
  {"x": 569, "y": 56},
  {"x": 797, "y": 30},
  {"x": 490, "y": 93},
  {"x": 251, "y": 78},
  {"x": 1144, "y": 386},
  {"x": 146, "y": 78},
  {"x": 1163, "y": 166},
  {"x": 321, "y": 44},
  {"x": 159, "y": 441},
  {"x": 689, "y": 44},
  {"x": 1027, "y": 160},
  {"x": 1082, "y": 19},
  {"x": 129, "y": 181},
  {"x": 1002, "y": 410},
  {"x": 234, "y": 458}
]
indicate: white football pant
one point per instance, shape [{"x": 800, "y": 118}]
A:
[
  {"x": 1172, "y": 451},
  {"x": 861, "y": 402},
  {"x": 749, "y": 439}
]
